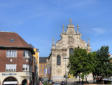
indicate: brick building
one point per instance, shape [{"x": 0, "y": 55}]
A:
[{"x": 15, "y": 60}]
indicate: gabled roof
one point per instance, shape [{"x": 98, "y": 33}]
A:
[{"x": 12, "y": 39}]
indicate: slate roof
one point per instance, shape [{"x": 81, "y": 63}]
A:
[{"x": 43, "y": 59}]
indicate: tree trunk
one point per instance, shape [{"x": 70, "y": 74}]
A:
[
  {"x": 79, "y": 78},
  {"x": 86, "y": 79},
  {"x": 82, "y": 81}
]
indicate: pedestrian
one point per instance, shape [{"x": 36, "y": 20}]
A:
[{"x": 40, "y": 83}]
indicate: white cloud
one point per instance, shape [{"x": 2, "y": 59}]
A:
[
  {"x": 80, "y": 3},
  {"x": 98, "y": 30},
  {"x": 84, "y": 3},
  {"x": 99, "y": 42}
]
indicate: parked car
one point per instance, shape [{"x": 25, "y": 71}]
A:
[
  {"x": 56, "y": 83},
  {"x": 62, "y": 83},
  {"x": 50, "y": 81}
]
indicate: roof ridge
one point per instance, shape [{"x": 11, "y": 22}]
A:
[{"x": 8, "y": 31}]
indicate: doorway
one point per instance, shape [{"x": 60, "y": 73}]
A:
[
  {"x": 24, "y": 82},
  {"x": 10, "y": 81}
]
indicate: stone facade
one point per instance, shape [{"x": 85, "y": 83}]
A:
[{"x": 70, "y": 39}]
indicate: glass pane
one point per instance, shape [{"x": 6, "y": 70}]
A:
[
  {"x": 58, "y": 60},
  {"x": 70, "y": 51}
]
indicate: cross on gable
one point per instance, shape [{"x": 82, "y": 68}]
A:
[{"x": 70, "y": 21}]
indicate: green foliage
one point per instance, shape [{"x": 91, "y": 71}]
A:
[
  {"x": 92, "y": 60},
  {"x": 79, "y": 64},
  {"x": 82, "y": 63},
  {"x": 45, "y": 83},
  {"x": 103, "y": 67}
]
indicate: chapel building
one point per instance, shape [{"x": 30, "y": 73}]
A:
[{"x": 61, "y": 50}]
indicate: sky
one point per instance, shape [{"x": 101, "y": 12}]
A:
[{"x": 39, "y": 21}]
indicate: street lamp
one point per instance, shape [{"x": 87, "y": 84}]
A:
[{"x": 65, "y": 69}]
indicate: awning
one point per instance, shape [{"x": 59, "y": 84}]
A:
[{"x": 10, "y": 82}]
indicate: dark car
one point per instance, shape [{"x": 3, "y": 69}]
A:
[
  {"x": 50, "y": 81},
  {"x": 62, "y": 83},
  {"x": 56, "y": 83}
]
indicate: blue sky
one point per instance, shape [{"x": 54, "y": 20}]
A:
[{"x": 38, "y": 21}]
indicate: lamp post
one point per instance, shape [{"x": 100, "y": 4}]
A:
[{"x": 65, "y": 69}]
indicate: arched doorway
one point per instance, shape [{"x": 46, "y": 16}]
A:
[
  {"x": 24, "y": 82},
  {"x": 10, "y": 81}
]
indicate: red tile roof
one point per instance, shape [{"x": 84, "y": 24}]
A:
[{"x": 11, "y": 39}]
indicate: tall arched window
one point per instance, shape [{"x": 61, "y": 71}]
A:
[
  {"x": 58, "y": 60},
  {"x": 70, "y": 51}
]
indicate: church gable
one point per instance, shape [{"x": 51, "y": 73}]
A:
[
  {"x": 70, "y": 39},
  {"x": 70, "y": 29}
]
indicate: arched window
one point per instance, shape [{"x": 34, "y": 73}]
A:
[
  {"x": 58, "y": 60},
  {"x": 70, "y": 51}
]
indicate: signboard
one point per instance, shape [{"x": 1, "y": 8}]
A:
[{"x": 8, "y": 74}]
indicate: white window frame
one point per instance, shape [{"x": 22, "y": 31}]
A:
[
  {"x": 26, "y": 54},
  {"x": 11, "y": 67},
  {"x": 25, "y": 67},
  {"x": 11, "y": 53}
]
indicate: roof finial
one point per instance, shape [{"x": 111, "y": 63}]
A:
[
  {"x": 78, "y": 28},
  {"x": 63, "y": 28},
  {"x": 53, "y": 42},
  {"x": 88, "y": 46},
  {"x": 88, "y": 42},
  {"x": 70, "y": 21}
]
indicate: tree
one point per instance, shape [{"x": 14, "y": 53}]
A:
[
  {"x": 79, "y": 63},
  {"x": 82, "y": 63},
  {"x": 103, "y": 67},
  {"x": 93, "y": 61}
]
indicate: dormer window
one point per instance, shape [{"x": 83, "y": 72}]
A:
[{"x": 11, "y": 40}]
